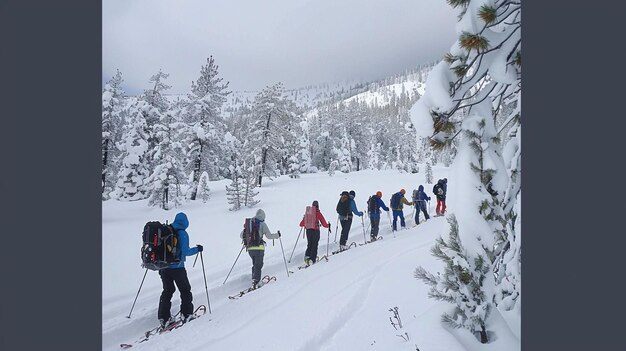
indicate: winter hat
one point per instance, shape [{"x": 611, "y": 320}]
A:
[
  {"x": 315, "y": 204},
  {"x": 403, "y": 191},
  {"x": 379, "y": 194},
  {"x": 260, "y": 215},
  {"x": 445, "y": 180},
  {"x": 352, "y": 193},
  {"x": 344, "y": 193}
]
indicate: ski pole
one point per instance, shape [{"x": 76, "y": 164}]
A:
[
  {"x": 413, "y": 213},
  {"x": 283, "y": 251},
  {"x": 131, "y": 309},
  {"x": 327, "y": 241},
  {"x": 336, "y": 227},
  {"x": 205, "y": 286},
  {"x": 194, "y": 261},
  {"x": 363, "y": 225},
  {"x": 231, "y": 268},
  {"x": 294, "y": 246}
]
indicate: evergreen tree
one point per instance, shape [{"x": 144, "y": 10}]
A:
[
  {"x": 461, "y": 284},
  {"x": 167, "y": 177},
  {"x": 234, "y": 192},
  {"x": 112, "y": 106},
  {"x": 249, "y": 194},
  {"x": 273, "y": 121},
  {"x": 154, "y": 106},
  {"x": 203, "y": 187},
  {"x": 474, "y": 95},
  {"x": 133, "y": 172},
  {"x": 207, "y": 127},
  {"x": 429, "y": 173}
]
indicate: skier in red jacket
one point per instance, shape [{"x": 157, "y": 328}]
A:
[{"x": 311, "y": 222}]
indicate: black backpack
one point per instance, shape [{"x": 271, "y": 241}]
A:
[
  {"x": 395, "y": 200},
  {"x": 343, "y": 206},
  {"x": 372, "y": 204},
  {"x": 251, "y": 236},
  {"x": 160, "y": 246},
  {"x": 438, "y": 190}
]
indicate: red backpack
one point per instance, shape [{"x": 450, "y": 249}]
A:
[{"x": 310, "y": 218}]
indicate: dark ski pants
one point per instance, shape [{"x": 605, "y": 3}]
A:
[
  {"x": 346, "y": 223},
  {"x": 257, "y": 264},
  {"x": 375, "y": 222},
  {"x": 421, "y": 206},
  {"x": 313, "y": 239},
  {"x": 396, "y": 214},
  {"x": 169, "y": 277}
]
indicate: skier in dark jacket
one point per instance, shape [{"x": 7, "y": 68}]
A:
[
  {"x": 175, "y": 273},
  {"x": 420, "y": 204},
  {"x": 374, "y": 204},
  {"x": 440, "y": 192},
  {"x": 313, "y": 234},
  {"x": 345, "y": 208}
]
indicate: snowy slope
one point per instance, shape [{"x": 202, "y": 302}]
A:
[{"x": 341, "y": 304}]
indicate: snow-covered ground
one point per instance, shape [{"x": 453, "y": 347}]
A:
[{"x": 339, "y": 304}]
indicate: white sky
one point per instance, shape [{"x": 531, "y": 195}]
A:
[{"x": 258, "y": 43}]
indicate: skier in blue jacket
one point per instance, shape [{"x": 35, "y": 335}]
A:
[
  {"x": 374, "y": 204},
  {"x": 175, "y": 273},
  {"x": 420, "y": 204}
]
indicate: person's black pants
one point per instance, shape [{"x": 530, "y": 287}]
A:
[
  {"x": 345, "y": 229},
  {"x": 257, "y": 264},
  {"x": 375, "y": 222},
  {"x": 169, "y": 277},
  {"x": 313, "y": 239}
]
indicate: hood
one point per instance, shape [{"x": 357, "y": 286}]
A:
[
  {"x": 260, "y": 215},
  {"x": 181, "y": 221},
  {"x": 420, "y": 188}
]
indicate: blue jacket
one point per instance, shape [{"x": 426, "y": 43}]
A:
[
  {"x": 353, "y": 207},
  {"x": 180, "y": 224},
  {"x": 421, "y": 195},
  {"x": 379, "y": 204}
]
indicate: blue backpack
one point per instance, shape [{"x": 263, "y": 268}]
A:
[{"x": 395, "y": 200}]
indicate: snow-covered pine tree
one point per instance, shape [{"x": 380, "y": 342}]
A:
[
  {"x": 167, "y": 177},
  {"x": 204, "y": 191},
  {"x": 154, "y": 107},
  {"x": 234, "y": 192},
  {"x": 343, "y": 154},
  {"x": 249, "y": 192},
  {"x": 429, "y": 173},
  {"x": 207, "y": 126},
  {"x": 272, "y": 122},
  {"x": 304, "y": 152},
  {"x": 482, "y": 72},
  {"x": 112, "y": 106},
  {"x": 133, "y": 148},
  {"x": 333, "y": 166},
  {"x": 461, "y": 284}
]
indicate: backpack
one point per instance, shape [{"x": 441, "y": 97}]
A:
[
  {"x": 343, "y": 207},
  {"x": 438, "y": 190},
  {"x": 310, "y": 218},
  {"x": 372, "y": 204},
  {"x": 395, "y": 200},
  {"x": 160, "y": 246},
  {"x": 251, "y": 236},
  {"x": 416, "y": 195}
]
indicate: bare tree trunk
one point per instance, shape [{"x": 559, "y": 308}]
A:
[
  {"x": 105, "y": 158},
  {"x": 264, "y": 157},
  {"x": 483, "y": 335},
  {"x": 196, "y": 173}
]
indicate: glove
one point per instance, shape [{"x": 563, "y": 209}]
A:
[
  {"x": 200, "y": 248},
  {"x": 279, "y": 233}
]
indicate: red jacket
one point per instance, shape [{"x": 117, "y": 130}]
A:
[{"x": 320, "y": 218}]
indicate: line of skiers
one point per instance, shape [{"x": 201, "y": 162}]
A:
[{"x": 175, "y": 274}]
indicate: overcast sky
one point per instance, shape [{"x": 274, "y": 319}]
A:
[{"x": 257, "y": 43}]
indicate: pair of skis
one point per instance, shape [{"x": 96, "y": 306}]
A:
[
  {"x": 179, "y": 322},
  {"x": 265, "y": 280}
]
